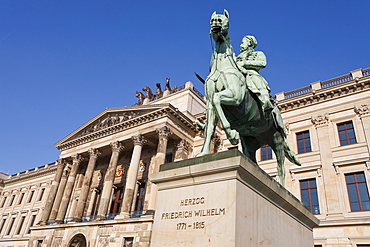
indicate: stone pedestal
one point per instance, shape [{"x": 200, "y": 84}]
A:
[{"x": 226, "y": 200}]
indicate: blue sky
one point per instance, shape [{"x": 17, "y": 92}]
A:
[{"x": 63, "y": 62}]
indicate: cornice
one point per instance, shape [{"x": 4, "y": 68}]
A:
[
  {"x": 31, "y": 175},
  {"x": 325, "y": 94},
  {"x": 167, "y": 111}
]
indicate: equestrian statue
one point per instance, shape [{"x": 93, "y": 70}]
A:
[{"x": 239, "y": 98}]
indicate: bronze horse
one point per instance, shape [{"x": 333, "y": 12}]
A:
[{"x": 238, "y": 110}]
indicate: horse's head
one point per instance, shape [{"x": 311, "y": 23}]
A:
[{"x": 219, "y": 25}]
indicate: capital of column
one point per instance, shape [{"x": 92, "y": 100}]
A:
[
  {"x": 77, "y": 158},
  {"x": 138, "y": 140},
  {"x": 94, "y": 152},
  {"x": 362, "y": 110},
  {"x": 320, "y": 120},
  {"x": 60, "y": 161},
  {"x": 117, "y": 147},
  {"x": 164, "y": 132}
]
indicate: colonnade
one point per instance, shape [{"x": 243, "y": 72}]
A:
[{"x": 64, "y": 181}]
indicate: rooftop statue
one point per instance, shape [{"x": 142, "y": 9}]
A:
[{"x": 239, "y": 97}]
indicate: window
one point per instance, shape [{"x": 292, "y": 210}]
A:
[
  {"x": 39, "y": 243},
  {"x": 346, "y": 133},
  {"x": 10, "y": 227},
  {"x": 3, "y": 202},
  {"x": 303, "y": 142},
  {"x": 20, "y": 198},
  {"x": 33, "y": 218},
  {"x": 357, "y": 191},
  {"x": 2, "y": 224},
  {"x": 266, "y": 152},
  {"x": 11, "y": 200},
  {"x": 20, "y": 224},
  {"x": 128, "y": 242},
  {"x": 309, "y": 195},
  {"x": 31, "y": 196},
  {"x": 363, "y": 245},
  {"x": 41, "y": 194}
]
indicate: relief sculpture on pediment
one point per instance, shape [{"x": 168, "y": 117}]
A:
[{"x": 109, "y": 121}]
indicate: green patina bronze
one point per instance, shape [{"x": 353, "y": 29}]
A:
[{"x": 239, "y": 97}]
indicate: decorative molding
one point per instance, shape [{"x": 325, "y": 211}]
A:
[
  {"x": 183, "y": 150},
  {"x": 321, "y": 119},
  {"x": 109, "y": 121},
  {"x": 292, "y": 175},
  {"x": 76, "y": 159},
  {"x": 32, "y": 174},
  {"x": 167, "y": 111},
  {"x": 138, "y": 140},
  {"x": 324, "y": 94},
  {"x": 94, "y": 153},
  {"x": 319, "y": 172},
  {"x": 336, "y": 168},
  {"x": 116, "y": 146},
  {"x": 367, "y": 164},
  {"x": 362, "y": 110},
  {"x": 216, "y": 143},
  {"x": 164, "y": 132}
]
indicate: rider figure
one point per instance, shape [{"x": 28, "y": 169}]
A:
[{"x": 249, "y": 63}]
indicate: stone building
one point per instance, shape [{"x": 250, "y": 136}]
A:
[
  {"x": 21, "y": 203},
  {"x": 98, "y": 193}
]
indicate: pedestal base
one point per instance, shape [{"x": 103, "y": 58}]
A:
[{"x": 226, "y": 200}]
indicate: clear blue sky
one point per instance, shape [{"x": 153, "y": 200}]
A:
[{"x": 63, "y": 62}]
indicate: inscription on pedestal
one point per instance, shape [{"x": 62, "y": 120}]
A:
[{"x": 195, "y": 212}]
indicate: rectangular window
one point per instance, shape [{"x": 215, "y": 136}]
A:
[
  {"x": 11, "y": 200},
  {"x": 20, "y": 225},
  {"x": 33, "y": 218},
  {"x": 363, "y": 245},
  {"x": 2, "y": 224},
  {"x": 357, "y": 191},
  {"x": 31, "y": 196},
  {"x": 20, "y": 198},
  {"x": 3, "y": 202},
  {"x": 303, "y": 142},
  {"x": 41, "y": 194},
  {"x": 309, "y": 195},
  {"x": 346, "y": 133},
  {"x": 128, "y": 242},
  {"x": 266, "y": 153},
  {"x": 10, "y": 227}
]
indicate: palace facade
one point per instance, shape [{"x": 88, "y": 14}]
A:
[{"x": 98, "y": 193}]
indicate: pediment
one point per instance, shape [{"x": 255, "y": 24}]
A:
[{"x": 109, "y": 118}]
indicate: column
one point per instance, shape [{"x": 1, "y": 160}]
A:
[
  {"x": 331, "y": 190},
  {"x": 109, "y": 180},
  {"x": 52, "y": 193},
  {"x": 160, "y": 158},
  {"x": 92, "y": 202},
  {"x": 59, "y": 195},
  {"x": 76, "y": 159},
  {"x": 131, "y": 179},
  {"x": 94, "y": 154}
]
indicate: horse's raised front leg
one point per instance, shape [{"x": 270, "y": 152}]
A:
[
  {"x": 230, "y": 96},
  {"x": 209, "y": 130}
]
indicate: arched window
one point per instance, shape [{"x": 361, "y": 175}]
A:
[{"x": 78, "y": 240}]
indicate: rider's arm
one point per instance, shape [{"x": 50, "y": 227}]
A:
[{"x": 258, "y": 62}]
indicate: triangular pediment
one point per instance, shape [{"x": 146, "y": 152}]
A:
[{"x": 110, "y": 118}]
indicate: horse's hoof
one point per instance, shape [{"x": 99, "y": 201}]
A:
[
  {"x": 234, "y": 137},
  {"x": 201, "y": 126},
  {"x": 201, "y": 154}
]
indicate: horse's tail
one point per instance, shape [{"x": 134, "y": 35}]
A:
[{"x": 289, "y": 154}]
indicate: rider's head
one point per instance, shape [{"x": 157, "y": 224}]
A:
[{"x": 248, "y": 42}]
